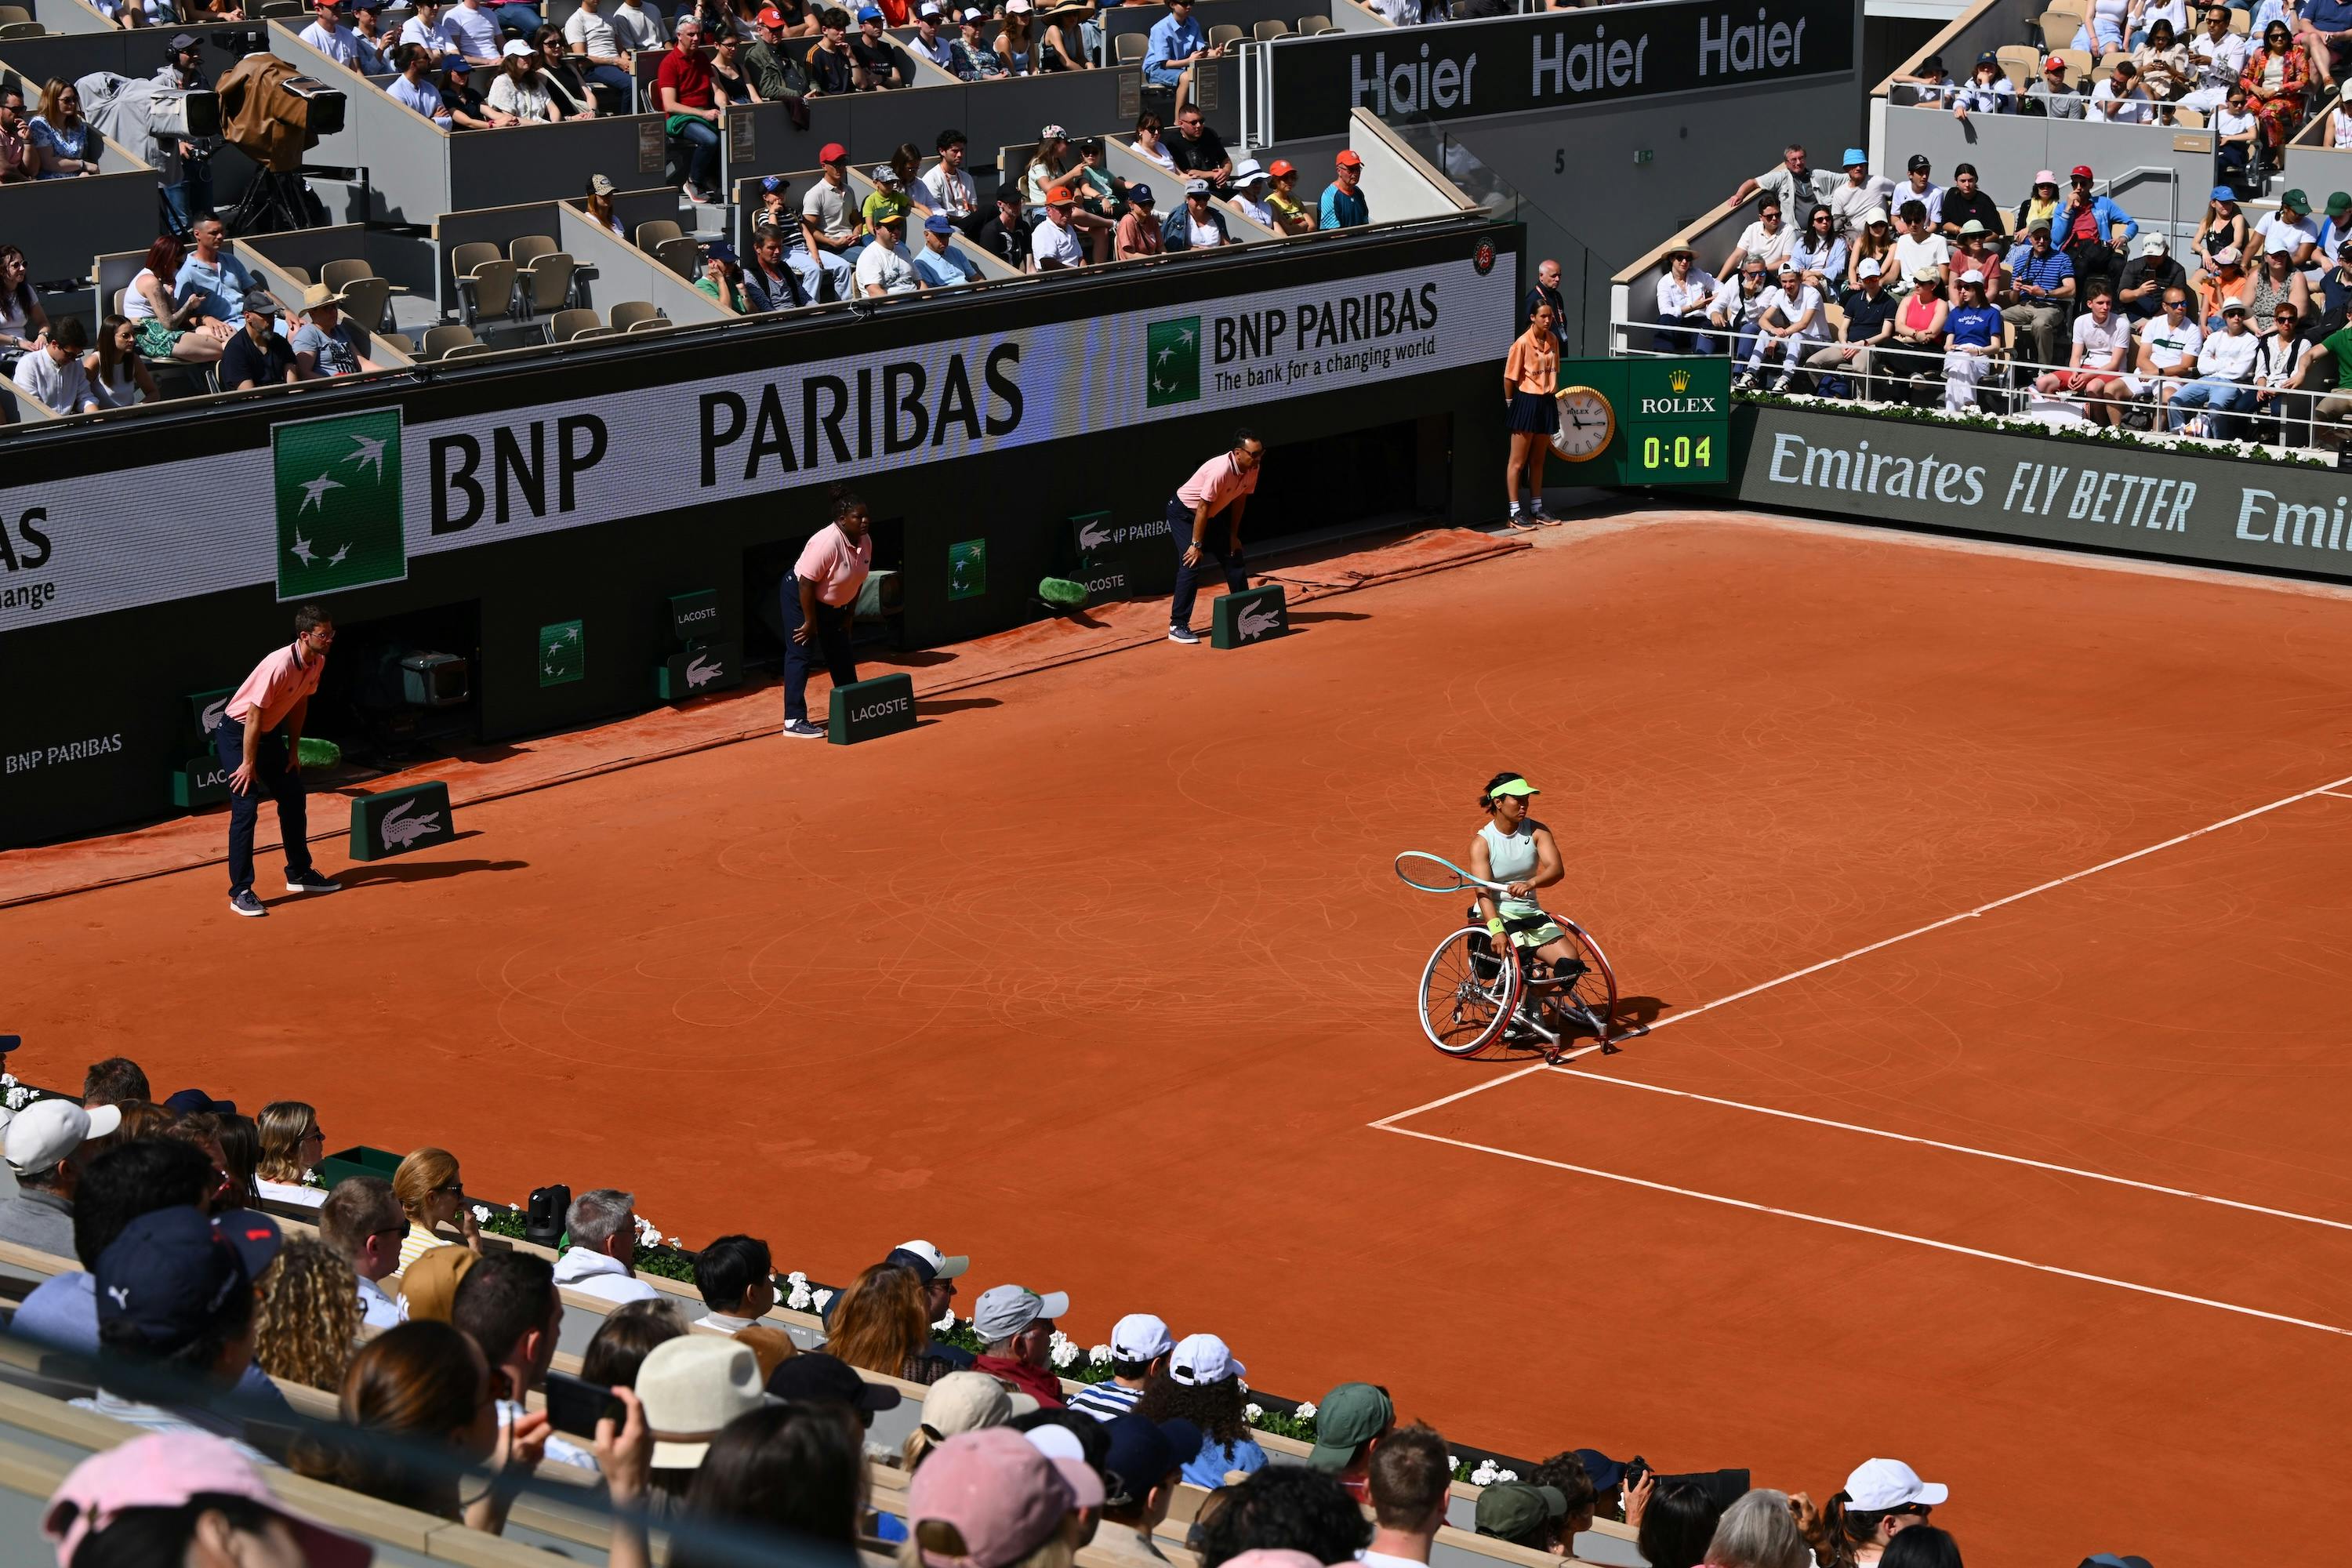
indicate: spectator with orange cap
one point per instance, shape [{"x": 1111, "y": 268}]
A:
[
  {"x": 1290, "y": 215},
  {"x": 1343, "y": 199}
]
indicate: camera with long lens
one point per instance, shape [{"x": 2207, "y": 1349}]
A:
[
  {"x": 239, "y": 42},
  {"x": 275, "y": 114}
]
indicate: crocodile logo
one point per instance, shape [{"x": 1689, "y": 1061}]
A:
[
  {"x": 702, "y": 671},
  {"x": 1092, "y": 535},
  {"x": 1254, "y": 624},
  {"x": 213, "y": 712},
  {"x": 400, "y": 830}
]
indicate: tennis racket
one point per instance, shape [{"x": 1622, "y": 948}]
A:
[{"x": 1429, "y": 874}]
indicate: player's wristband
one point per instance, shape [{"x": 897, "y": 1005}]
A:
[{"x": 1495, "y": 926}]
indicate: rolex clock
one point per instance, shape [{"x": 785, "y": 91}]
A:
[{"x": 1586, "y": 424}]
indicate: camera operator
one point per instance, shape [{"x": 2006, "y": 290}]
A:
[{"x": 185, "y": 162}]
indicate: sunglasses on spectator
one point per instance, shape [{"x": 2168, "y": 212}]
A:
[
  {"x": 456, "y": 1186},
  {"x": 2176, "y": 304},
  {"x": 313, "y": 1136}
]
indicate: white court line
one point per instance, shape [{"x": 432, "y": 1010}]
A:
[
  {"x": 1384, "y": 1124},
  {"x": 2337, "y": 794},
  {"x": 1872, "y": 1230},
  {"x": 1965, "y": 1148}
]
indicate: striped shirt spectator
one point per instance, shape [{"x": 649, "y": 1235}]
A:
[{"x": 1140, "y": 1348}]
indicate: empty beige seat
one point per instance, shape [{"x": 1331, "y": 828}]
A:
[
  {"x": 1310, "y": 25},
  {"x": 365, "y": 300},
  {"x": 629, "y": 312},
  {"x": 485, "y": 282},
  {"x": 546, "y": 283},
  {"x": 1224, "y": 32},
  {"x": 1131, "y": 47},
  {"x": 681, "y": 255},
  {"x": 524, "y": 249},
  {"x": 439, "y": 341},
  {"x": 566, "y": 325},
  {"x": 651, "y": 235},
  {"x": 1271, "y": 29}
]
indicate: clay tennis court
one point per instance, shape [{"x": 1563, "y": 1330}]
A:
[{"x": 1104, "y": 978}]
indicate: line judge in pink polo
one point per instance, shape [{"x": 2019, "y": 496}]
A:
[
  {"x": 819, "y": 599},
  {"x": 1204, "y": 520},
  {"x": 256, "y": 740}
]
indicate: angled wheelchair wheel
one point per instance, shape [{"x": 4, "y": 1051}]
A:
[
  {"x": 1468, "y": 993},
  {"x": 1587, "y": 1006}
]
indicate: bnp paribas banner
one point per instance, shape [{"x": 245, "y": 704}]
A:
[
  {"x": 2189, "y": 504},
  {"x": 347, "y": 500}
]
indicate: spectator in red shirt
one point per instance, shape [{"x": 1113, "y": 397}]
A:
[
  {"x": 1017, "y": 1325},
  {"x": 683, "y": 85},
  {"x": 272, "y": 704}
]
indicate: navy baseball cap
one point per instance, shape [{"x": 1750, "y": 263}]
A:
[
  {"x": 171, "y": 1273},
  {"x": 724, "y": 252},
  {"x": 773, "y": 183},
  {"x": 190, "y": 1101},
  {"x": 1142, "y": 1454},
  {"x": 1600, "y": 1469},
  {"x": 9, "y": 1043},
  {"x": 815, "y": 1377}
]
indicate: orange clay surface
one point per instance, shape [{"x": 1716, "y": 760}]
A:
[{"x": 1103, "y": 977}]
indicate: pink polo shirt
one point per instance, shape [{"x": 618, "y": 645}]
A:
[
  {"x": 277, "y": 684},
  {"x": 1218, "y": 482},
  {"x": 834, "y": 564}
]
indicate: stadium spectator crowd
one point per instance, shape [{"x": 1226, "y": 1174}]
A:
[
  {"x": 2053, "y": 303},
  {"x": 193, "y": 1310}
]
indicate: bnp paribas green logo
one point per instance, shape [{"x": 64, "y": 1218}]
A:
[
  {"x": 1173, "y": 350},
  {"x": 337, "y": 485}
]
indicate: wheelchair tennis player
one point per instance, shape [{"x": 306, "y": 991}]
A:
[{"x": 1515, "y": 849}]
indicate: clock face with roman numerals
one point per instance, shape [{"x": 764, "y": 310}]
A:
[{"x": 1586, "y": 423}]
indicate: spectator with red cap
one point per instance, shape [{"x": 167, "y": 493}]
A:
[
  {"x": 158, "y": 1498},
  {"x": 1343, "y": 204},
  {"x": 832, "y": 231},
  {"x": 2091, "y": 229},
  {"x": 1290, "y": 215},
  {"x": 682, "y": 89},
  {"x": 779, "y": 73},
  {"x": 991, "y": 1500}
]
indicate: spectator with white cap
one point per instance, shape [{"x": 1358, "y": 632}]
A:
[
  {"x": 2139, "y": 296},
  {"x": 1880, "y": 1500},
  {"x": 1350, "y": 1422},
  {"x": 2224, "y": 387},
  {"x": 184, "y": 1497},
  {"x": 1016, "y": 1323},
  {"x": 1141, "y": 1472},
  {"x": 929, "y": 41},
  {"x": 990, "y": 1500},
  {"x": 43, "y": 1145},
  {"x": 1250, "y": 191},
  {"x": 1975, "y": 335},
  {"x": 1140, "y": 1348},
  {"x": 1204, "y": 1386},
  {"x": 1017, "y": 43},
  {"x": 1197, "y": 225},
  {"x": 1868, "y": 326},
  {"x": 1789, "y": 324},
  {"x": 601, "y": 1259},
  {"x": 974, "y": 59}
]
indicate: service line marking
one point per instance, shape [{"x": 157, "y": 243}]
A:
[
  {"x": 1386, "y": 1124},
  {"x": 1966, "y": 1149},
  {"x": 1859, "y": 1229}
]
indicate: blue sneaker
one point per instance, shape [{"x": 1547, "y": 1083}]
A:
[
  {"x": 310, "y": 882},
  {"x": 1182, "y": 634},
  {"x": 802, "y": 729},
  {"x": 245, "y": 904}
]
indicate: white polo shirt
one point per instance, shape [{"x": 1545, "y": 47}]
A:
[{"x": 888, "y": 266}]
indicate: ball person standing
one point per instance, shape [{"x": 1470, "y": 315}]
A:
[
  {"x": 820, "y": 598},
  {"x": 1530, "y": 384},
  {"x": 1205, "y": 520},
  {"x": 257, "y": 740}
]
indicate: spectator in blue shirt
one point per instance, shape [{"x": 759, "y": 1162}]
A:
[
  {"x": 216, "y": 275},
  {"x": 1176, "y": 44},
  {"x": 1343, "y": 199},
  {"x": 412, "y": 88},
  {"x": 1204, "y": 1386},
  {"x": 2086, "y": 227},
  {"x": 2044, "y": 293},
  {"x": 939, "y": 263}
]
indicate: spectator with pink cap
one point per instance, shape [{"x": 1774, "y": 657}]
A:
[
  {"x": 184, "y": 1497},
  {"x": 1204, "y": 1386},
  {"x": 991, "y": 1500},
  {"x": 1880, "y": 1500}
]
